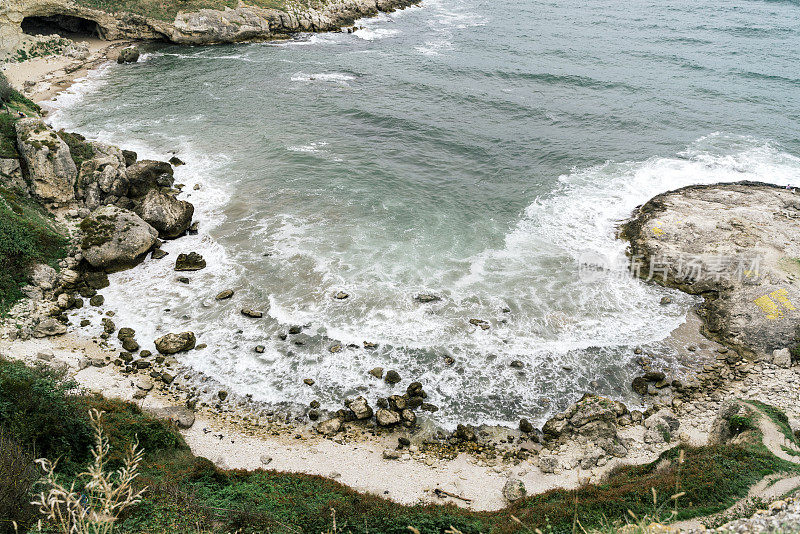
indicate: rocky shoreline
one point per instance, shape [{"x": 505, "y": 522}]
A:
[
  {"x": 118, "y": 209},
  {"x": 201, "y": 27}
]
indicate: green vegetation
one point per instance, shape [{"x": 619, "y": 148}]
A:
[
  {"x": 45, "y": 48},
  {"x": 79, "y": 149},
  {"x": 167, "y": 11},
  {"x": 777, "y": 417},
  {"x": 44, "y": 412},
  {"x": 27, "y": 236},
  {"x": 740, "y": 423},
  {"x": 11, "y": 103}
]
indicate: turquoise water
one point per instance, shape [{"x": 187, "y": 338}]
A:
[{"x": 478, "y": 151}]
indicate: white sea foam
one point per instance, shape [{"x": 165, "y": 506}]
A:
[{"x": 331, "y": 77}]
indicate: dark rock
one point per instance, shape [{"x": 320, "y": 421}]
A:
[
  {"x": 252, "y": 313},
  {"x": 96, "y": 280},
  {"x": 525, "y": 426},
  {"x": 157, "y": 254},
  {"x": 130, "y": 157},
  {"x": 341, "y": 295},
  {"x": 130, "y": 344},
  {"x": 125, "y": 332},
  {"x": 176, "y": 161},
  {"x": 146, "y": 175},
  {"x": 387, "y": 417},
  {"x": 377, "y": 372},
  {"x": 228, "y": 293},
  {"x": 129, "y": 54},
  {"x": 392, "y": 377},
  {"x": 639, "y": 385},
  {"x": 424, "y": 298},
  {"x": 190, "y": 262},
  {"x": 465, "y": 433},
  {"x": 260, "y": 349}
]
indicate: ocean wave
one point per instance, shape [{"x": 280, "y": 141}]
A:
[{"x": 334, "y": 77}]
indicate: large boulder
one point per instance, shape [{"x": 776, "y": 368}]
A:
[
  {"x": 148, "y": 174},
  {"x": 102, "y": 175},
  {"x": 170, "y": 216},
  {"x": 115, "y": 238},
  {"x": 174, "y": 343},
  {"x": 360, "y": 408},
  {"x": 51, "y": 170}
]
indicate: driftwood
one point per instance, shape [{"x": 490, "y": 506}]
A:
[{"x": 442, "y": 494}]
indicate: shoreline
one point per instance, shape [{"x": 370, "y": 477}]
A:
[{"x": 357, "y": 457}]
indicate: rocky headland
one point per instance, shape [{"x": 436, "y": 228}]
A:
[{"x": 192, "y": 23}]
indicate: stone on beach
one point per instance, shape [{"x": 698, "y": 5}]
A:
[{"x": 174, "y": 343}]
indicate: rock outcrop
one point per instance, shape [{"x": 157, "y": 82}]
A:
[
  {"x": 52, "y": 173},
  {"x": 205, "y": 26},
  {"x": 115, "y": 238},
  {"x": 737, "y": 246},
  {"x": 170, "y": 216}
]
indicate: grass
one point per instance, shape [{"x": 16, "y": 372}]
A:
[
  {"x": 28, "y": 235},
  {"x": 190, "y": 494},
  {"x": 777, "y": 417},
  {"x": 167, "y": 10}
]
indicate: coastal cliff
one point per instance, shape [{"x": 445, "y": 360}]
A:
[{"x": 193, "y": 22}]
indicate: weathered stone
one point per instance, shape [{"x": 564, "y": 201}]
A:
[
  {"x": 392, "y": 377},
  {"x": 248, "y": 312},
  {"x": 129, "y": 54},
  {"x": 50, "y": 168},
  {"x": 182, "y": 416},
  {"x": 782, "y": 358},
  {"x": 514, "y": 490},
  {"x": 114, "y": 238},
  {"x": 224, "y": 295},
  {"x": 329, "y": 427},
  {"x": 146, "y": 175},
  {"x": 387, "y": 417},
  {"x": 170, "y": 216},
  {"x": 360, "y": 408},
  {"x": 190, "y": 262},
  {"x": 49, "y": 327},
  {"x": 174, "y": 343}
]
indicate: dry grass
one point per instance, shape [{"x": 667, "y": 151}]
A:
[{"x": 107, "y": 493}]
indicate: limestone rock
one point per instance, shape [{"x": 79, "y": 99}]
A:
[
  {"x": 49, "y": 327},
  {"x": 170, "y": 216},
  {"x": 329, "y": 427},
  {"x": 174, "y": 343},
  {"x": 360, "y": 408},
  {"x": 739, "y": 238},
  {"x": 115, "y": 238},
  {"x": 129, "y": 54},
  {"x": 148, "y": 174},
  {"x": 51, "y": 170},
  {"x": 387, "y": 417},
  {"x": 782, "y": 358},
  {"x": 514, "y": 490},
  {"x": 180, "y": 415}
]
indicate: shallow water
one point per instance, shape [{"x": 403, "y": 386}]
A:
[{"x": 475, "y": 150}]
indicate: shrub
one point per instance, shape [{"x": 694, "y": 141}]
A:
[
  {"x": 37, "y": 410},
  {"x": 17, "y": 476},
  {"x": 6, "y": 91},
  {"x": 79, "y": 149},
  {"x": 740, "y": 423},
  {"x": 27, "y": 236}
]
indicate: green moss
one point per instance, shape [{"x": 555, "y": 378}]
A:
[
  {"x": 79, "y": 149},
  {"x": 97, "y": 230},
  {"x": 778, "y": 417},
  {"x": 27, "y": 236}
]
